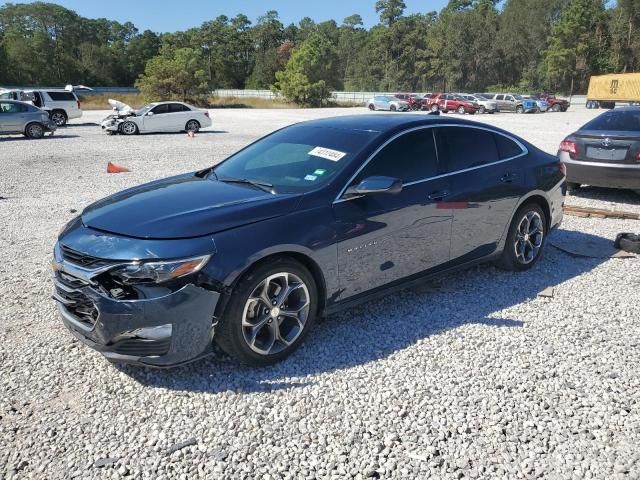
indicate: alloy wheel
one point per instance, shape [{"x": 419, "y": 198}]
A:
[
  {"x": 58, "y": 118},
  {"x": 128, "y": 128},
  {"x": 529, "y": 237},
  {"x": 193, "y": 126},
  {"x": 276, "y": 313},
  {"x": 35, "y": 131}
]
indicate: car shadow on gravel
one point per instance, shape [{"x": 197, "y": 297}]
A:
[
  {"x": 628, "y": 197},
  {"x": 47, "y": 137},
  {"x": 385, "y": 327}
]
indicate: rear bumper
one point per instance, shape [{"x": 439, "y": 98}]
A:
[{"x": 599, "y": 174}]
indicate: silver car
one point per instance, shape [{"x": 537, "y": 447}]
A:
[
  {"x": 23, "y": 118},
  {"x": 388, "y": 102}
]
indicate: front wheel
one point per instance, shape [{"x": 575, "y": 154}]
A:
[
  {"x": 519, "y": 109},
  {"x": 372, "y": 107},
  {"x": 392, "y": 108},
  {"x": 525, "y": 240},
  {"x": 556, "y": 107},
  {"x": 128, "y": 128},
  {"x": 482, "y": 109},
  {"x": 269, "y": 313},
  {"x": 435, "y": 107},
  {"x": 460, "y": 110}
]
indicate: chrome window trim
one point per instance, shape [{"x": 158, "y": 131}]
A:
[{"x": 524, "y": 149}]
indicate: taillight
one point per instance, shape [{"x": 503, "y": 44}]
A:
[
  {"x": 569, "y": 146},
  {"x": 78, "y": 101},
  {"x": 638, "y": 157}
]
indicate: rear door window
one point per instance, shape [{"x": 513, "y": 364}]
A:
[
  {"x": 410, "y": 157},
  {"x": 177, "y": 107},
  {"x": 499, "y": 97},
  {"x": 62, "y": 96},
  {"x": 460, "y": 148}
]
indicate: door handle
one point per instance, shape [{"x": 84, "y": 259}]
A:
[
  {"x": 508, "y": 177},
  {"x": 436, "y": 196}
]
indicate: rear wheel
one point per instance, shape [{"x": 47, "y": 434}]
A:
[
  {"x": 482, "y": 109},
  {"x": 59, "y": 118},
  {"x": 525, "y": 240},
  {"x": 556, "y": 107},
  {"x": 519, "y": 109},
  {"x": 34, "y": 131},
  {"x": 434, "y": 107},
  {"x": 192, "y": 126},
  {"x": 372, "y": 107},
  {"x": 128, "y": 128},
  {"x": 269, "y": 313},
  {"x": 392, "y": 108}
]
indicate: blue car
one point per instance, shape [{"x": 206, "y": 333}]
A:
[{"x": 309, "y": 220}]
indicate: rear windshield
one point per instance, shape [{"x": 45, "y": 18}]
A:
[
  {"x": 616, "y": 120},
  {"x": 296, "y": 159},
  {"x": 62, "y": 96}
]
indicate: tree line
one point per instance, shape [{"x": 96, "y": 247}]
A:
[{"x": 471, "y": 45}]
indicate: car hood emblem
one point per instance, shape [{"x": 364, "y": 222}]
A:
[{"x": 606, "y": 142}]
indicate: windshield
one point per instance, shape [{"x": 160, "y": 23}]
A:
[
  {"x": 518, "y": 97},
  {"x": 145, "y": 109},
  {"x": 297, "y": 158},
  {"x": 628, "y": 121},
  {"x": 480, "y": 98}
]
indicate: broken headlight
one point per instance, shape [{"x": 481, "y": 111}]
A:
[{"x": 158, "y": 272}]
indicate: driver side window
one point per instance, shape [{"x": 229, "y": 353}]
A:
[
  {"x": 410, "y": 157},
  {"x": 160, "y": 109}
]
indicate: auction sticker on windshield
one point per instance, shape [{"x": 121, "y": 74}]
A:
[{"x": 333, "y": 155}]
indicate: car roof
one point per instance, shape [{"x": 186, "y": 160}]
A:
[{"x": 383, "y": 123}]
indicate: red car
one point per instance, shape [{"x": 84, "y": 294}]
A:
[
  {"x": 555, "y": 104},
  {"x": 446, "y": 102}
]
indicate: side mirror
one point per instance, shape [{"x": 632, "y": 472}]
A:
[
  {"x": 372, "y": 185},
  {"x": 150, "y": 114}
]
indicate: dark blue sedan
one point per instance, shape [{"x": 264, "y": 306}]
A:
[{"x": 304, "y": 222}]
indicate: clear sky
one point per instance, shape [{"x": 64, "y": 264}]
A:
[{"x": 171, "y": 15}]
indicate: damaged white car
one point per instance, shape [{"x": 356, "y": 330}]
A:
[{"x": 155, "y": 117}]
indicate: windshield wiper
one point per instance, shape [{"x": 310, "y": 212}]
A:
[{"x": 264, "y": 186}]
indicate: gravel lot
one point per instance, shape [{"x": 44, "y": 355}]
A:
[{"x": 472, "y": 377}]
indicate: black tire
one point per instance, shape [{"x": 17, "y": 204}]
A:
[
  {"x": 435, "y": 107},
  {"x": 556, "y": 107},
  {"x": 372, "y": 107},
  {"x": 629, "y": 242},
  {"x": 34, "y": 131},
  {"x": 230, "y": 334},
  {"x": 128, "y": 128},
  {"x": 572, "y": 186},
  {"x": 59, "y": 117},
  {"x": 482, "y": 109},
  {"x": 192, "y": 125},
  {"x": 392, "y": 108},
  {"x": 509, "y": 259},
  {"x": 519, "y": 109},
  {"x": 460, "y": 110}
]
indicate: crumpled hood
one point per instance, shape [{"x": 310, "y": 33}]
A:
[
  {"x": 120, "y": 107},
  {"x": 186, "y": 206}
]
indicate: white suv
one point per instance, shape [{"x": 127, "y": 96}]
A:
[{"x": 62, "y": 105}]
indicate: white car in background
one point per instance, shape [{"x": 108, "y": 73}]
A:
[
  {"x": 155, "y": 117},
  {"x": 62, "y": 104},
  {"x": 388, "y": 102}
]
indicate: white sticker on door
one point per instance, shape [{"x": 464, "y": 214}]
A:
[{"x": 333, "y": 155}]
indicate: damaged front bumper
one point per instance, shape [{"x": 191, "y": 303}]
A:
[{"x": 164, "y": 331}]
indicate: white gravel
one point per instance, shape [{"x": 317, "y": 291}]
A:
[{"x": 472, "y": 377}]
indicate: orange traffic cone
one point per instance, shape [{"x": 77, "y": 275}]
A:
[{"x": 114, "y": 168}]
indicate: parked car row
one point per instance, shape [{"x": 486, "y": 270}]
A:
[
  {"x": 470, "y": 103},
  {"x": 61, "y": 104}
]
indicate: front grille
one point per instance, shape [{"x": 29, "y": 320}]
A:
[
  {"x": 140, "y": 347},
  {"x": 68, "y": 292},
  {"x": 81, "y": 259}
]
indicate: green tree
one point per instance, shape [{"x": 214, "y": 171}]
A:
[
  {"x": 175, "y": 74},
  {"x": 310, "y": 73},
  {"x": 267, "y": 37},
  {"x": 390, "y": 11}
]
